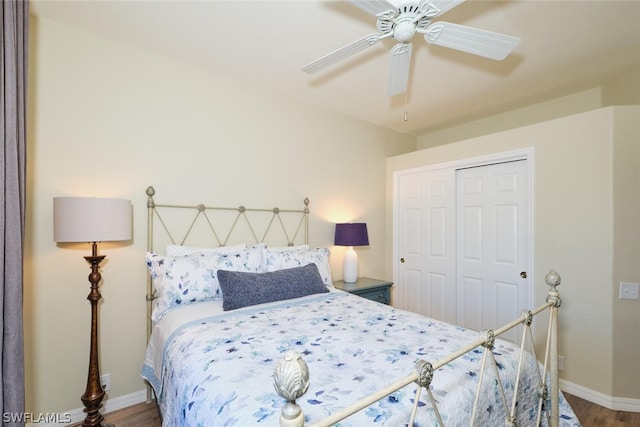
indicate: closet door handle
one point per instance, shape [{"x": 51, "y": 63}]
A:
[
  {"x": 523, "y": 274},
  {"x": 402, "y": 260}
]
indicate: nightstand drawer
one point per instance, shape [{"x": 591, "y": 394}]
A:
[
  {"x": 382, "y": 295},
  {"x": 372, "y": 289}
]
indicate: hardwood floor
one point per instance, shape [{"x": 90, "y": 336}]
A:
[
  {"x": 592, "y": 415},
  {"x": 589, "y": 414},
  {"x": 140, "y": 415}
]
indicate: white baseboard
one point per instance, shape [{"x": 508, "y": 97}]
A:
[
  {"x": 610, "y": 402},
  {"x": 120, "y": 402},
  {"x": 109, "y": 405}
]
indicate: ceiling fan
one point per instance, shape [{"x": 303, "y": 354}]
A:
[{"x": 402, "y": 22}]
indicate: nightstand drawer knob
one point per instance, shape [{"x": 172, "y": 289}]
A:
[{"x": 402, "y": 260}]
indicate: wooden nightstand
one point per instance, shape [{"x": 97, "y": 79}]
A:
[{"x": 366, "y": 287}]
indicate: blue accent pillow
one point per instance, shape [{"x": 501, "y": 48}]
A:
[{"x": 242, "y": 289}]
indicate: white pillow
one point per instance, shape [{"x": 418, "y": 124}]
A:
[
  {"x": 288, "y": 248},
  {"x": 179, "y": 250},
  {"x": 279, "y": 259},
  {"x": 193, "y": 278}
]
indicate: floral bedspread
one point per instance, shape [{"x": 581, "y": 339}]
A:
[{"x": 217, "y": 371}]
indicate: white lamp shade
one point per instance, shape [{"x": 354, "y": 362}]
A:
[{"x": 91, "y": 219}]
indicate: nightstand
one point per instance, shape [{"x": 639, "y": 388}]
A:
[{"x": 366, "y": 287}]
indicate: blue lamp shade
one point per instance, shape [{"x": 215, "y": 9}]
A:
[{"x": 351, "y": 234}]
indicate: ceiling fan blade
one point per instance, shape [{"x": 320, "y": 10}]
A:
[
  {"x": 471, "y": 40},
  {"x": 438, "y": 7},
  {"x": 340, "y": 54},
  {"x": 376, "y": 7},
  {"x": 399, "y": 68}
]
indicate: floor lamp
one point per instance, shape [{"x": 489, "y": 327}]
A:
[{"x": 92, "y": 220}]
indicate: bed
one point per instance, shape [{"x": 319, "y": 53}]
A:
[{"x": 255, "y": 334}]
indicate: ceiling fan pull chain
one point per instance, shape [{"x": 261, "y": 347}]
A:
[{"x": 406, "y": 113}]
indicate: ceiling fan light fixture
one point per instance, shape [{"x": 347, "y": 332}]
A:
[{"x": 404, "y": 31}]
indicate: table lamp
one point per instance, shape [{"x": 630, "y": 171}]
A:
[{"x": 351, "y": 234}]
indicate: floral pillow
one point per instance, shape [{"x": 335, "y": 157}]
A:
[
  {"x": 194, "y": 278},
  {"x": 280, "y": 259}
]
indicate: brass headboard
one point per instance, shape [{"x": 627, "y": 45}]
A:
[
  {"x": 209, "y": 226},
  {"x": 221, "y": 233}
]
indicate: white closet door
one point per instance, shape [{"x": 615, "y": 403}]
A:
[
  {"x": 425, "y": 245},
  {"x": 492, "y": 244}
]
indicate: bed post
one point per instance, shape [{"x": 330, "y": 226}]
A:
[
  {"x": 291, "y": 380},
  {"x": 149, "y": 297},
  {"x": 306, "y": 220},
  {"x": 553, "y": 280}
]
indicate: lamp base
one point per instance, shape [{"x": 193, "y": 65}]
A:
[
  {"x": 100, "y": 425},
  {"x": 350, "y": 266},
  {"x": 94, "y": 394}
]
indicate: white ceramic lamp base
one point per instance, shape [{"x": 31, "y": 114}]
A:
[{"x": 350, "y": 266}]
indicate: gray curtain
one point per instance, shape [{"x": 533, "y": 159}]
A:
[{"x": 13, "y": 93}]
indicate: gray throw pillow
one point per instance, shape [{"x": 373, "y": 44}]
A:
[{"x": 242, "y": 289}]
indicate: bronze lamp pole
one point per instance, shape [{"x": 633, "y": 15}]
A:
[{"x": 93, "y": 395}]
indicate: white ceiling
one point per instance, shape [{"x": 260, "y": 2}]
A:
[{"x": 566, "y": 46}]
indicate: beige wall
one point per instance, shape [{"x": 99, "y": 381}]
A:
[
  {"x": 623, "y": 89},
  {"x": 626, "y": 251},
  {"x": 108, "y": 120},
  {"x": 574, "y": 232}
]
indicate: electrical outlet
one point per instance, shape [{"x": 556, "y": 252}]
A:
[
  {"x": 105, "y": 382},
  {"x": 560, "y": 362},
  {"x": 629, "y": 290}
]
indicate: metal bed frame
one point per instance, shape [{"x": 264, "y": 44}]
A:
[
  {"x": 295, "y": 231},
  {"x": 291, "y": 374}
]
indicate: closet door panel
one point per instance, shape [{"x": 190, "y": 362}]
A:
[
  {"x": 425, "y": 244},
  {"x": 492, "y": 230}
]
